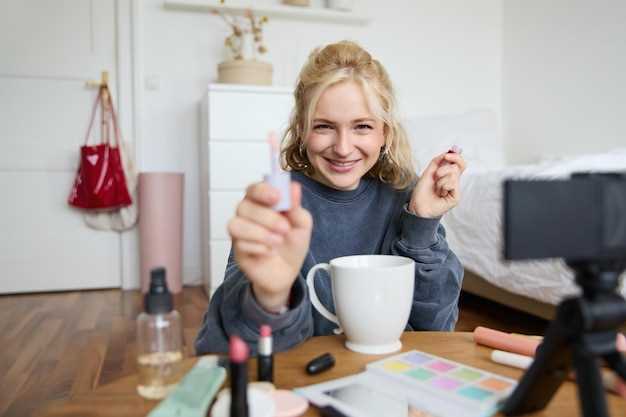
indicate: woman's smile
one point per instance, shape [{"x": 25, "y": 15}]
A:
[{"x": 341, "y": 166}]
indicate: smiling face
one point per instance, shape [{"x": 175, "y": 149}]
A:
[{"x": 345, "y": 139}]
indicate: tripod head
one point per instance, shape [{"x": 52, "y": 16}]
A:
[{"x": 596, "y": 278}]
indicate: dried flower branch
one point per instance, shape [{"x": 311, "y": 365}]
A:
[{"x": 239, "y": 27}]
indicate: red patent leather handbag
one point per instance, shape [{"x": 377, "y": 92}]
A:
[{"x": 100, "y": 182}]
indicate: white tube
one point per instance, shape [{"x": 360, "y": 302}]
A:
[{"x": 511, "y": 359}]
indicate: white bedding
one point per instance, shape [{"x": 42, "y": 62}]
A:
[{"x": 474, "y": 227}]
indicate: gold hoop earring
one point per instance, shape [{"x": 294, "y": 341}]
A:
[
  {"x": 303, "y": 156},
  {"x": 301, "y": 149},
  {"x": 383, "y": 153}
]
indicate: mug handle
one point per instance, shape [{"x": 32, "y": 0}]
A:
[{"x": 310, "y": 283}]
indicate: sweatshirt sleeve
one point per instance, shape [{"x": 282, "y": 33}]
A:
[
  {"x": 233, "y": 310},
  {"x": 438, "y": 272}
]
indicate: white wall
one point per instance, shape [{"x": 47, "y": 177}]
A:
[
  {"x": 443, "y": 57},
  {"x": 563, "y": 83}
]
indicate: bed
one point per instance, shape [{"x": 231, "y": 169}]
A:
[{"x": 474, "y": 227}]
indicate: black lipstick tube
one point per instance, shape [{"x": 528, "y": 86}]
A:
[
  {"x": 239, "y": 389},
  {"x": 265, "y": 360}
]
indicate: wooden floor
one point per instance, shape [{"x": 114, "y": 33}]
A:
[{"x": 56, "y": 344}]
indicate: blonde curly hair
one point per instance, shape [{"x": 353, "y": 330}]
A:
[{"x": 340, "y": 62}]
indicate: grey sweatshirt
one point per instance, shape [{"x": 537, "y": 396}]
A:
[{"x": 372, "y": 219}]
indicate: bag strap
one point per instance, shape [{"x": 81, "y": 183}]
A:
[
  {"x": 104, "y": 119},
  {"x": 108, "y": 113},
  {"x": 116, "y": 127},
  {"x": 93, "y": 114},
  {"x": 111, "y": 114}
]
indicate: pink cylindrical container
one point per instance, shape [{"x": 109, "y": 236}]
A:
[{"x": 161, "y": 226}]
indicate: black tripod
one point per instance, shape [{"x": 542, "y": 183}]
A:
[{"x": 584, "y": 330}]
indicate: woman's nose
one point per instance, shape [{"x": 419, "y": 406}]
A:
[{"x": 343, "y": 144}]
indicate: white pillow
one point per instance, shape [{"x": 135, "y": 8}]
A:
[{"x": 476, "y": 132}]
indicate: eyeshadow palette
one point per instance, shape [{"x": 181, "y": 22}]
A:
[
  {"x": 448, "y": 380},
  {"x": 411, "y": 384}
]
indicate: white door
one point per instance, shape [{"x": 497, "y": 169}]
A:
[{"x": 48, "y": 49}]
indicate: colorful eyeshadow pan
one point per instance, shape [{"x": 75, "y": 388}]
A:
[
  {"x": 415, "y": 358},
  {"x": 467, "y": 375},
  {"x": 446, "y": 383},
  {"x": 475, "y": 393},
  {"x": 420, "y": 374},
  {"x": 396, "y": 366},
  {"x": 441, "y": 366},
  {"x": 494, "y": 384}
]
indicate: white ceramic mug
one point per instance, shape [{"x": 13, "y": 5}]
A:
[{"x": 373, "y": 296}]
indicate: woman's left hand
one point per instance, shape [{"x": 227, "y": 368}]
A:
[{"x": 438, "y": 190}]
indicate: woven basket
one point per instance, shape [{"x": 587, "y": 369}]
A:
[
  {"x": 245, "y": 72},
  {"x": 296, "y": 2}
]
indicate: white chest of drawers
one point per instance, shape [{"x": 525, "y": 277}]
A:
[{"x": 233, "y": 154}]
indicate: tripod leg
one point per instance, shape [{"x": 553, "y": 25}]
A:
[
  {"x": 589, "y": 380},
  {"x": 547, "y": 372},
  {"x": 617, "y": 363}
]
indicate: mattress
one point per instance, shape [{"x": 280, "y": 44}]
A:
[{"x": 474, "y": 227}]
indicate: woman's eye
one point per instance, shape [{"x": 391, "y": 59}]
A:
[
  {"x": 322, "y": 126},
  {"x": 364, "y": 126}
]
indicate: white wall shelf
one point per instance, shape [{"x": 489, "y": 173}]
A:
[{"x": 281, "y": 11}]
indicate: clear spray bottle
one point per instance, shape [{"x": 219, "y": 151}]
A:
[{"x": 159, "y": 340}]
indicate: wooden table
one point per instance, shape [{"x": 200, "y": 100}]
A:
[{"x": 120, "y": 398}]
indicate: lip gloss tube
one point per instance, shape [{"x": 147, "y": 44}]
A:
[
  {"x": 238, "y": 354},
  {"x": 265, "y": 360},
  {"x": 278, "y": 178},
  {"x": 503, "y": 341}
]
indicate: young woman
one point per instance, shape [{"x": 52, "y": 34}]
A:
[{"x": 354, "y": 191}]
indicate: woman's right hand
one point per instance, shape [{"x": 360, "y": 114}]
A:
[{"x": 270, "y": 246}]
